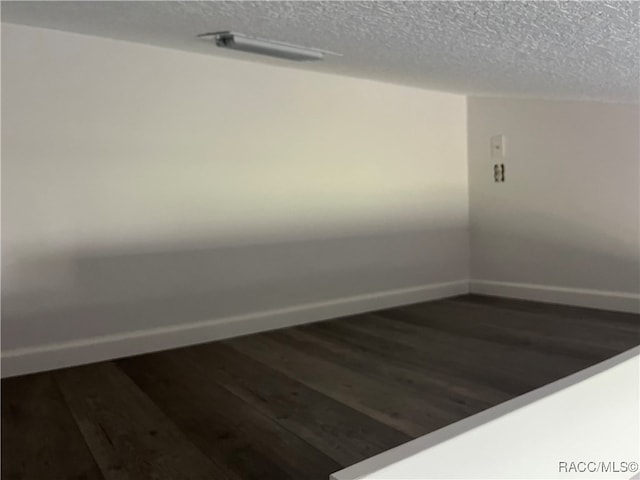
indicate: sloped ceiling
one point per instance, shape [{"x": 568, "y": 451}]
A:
[{"x": 572, "y": 50}]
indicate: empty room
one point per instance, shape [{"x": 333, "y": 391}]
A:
[{"x": 320, "y": 240}]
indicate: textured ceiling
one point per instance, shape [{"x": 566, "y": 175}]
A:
[{"x": 536, "y": 49}]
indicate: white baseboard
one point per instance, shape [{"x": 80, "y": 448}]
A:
[
  {"x": 601, "y": 299},
  {"x": 48, "y": 357}
]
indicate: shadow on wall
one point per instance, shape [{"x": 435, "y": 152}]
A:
[
  {"x": 516, "y": 257},
  {"x": 554, "y": 249},
  {"x": 67, "y": 295}
]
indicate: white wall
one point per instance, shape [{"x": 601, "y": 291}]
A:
[
  {"x": 145, "y": 187},
  {"x": 564, "y": 225}
]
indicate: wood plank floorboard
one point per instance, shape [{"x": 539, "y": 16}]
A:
[
  {"x": 390, "y": 371},
  {"x": 453, "y": 380},
  {"x": 300, "y": 402},
  {"x": 400, "y": 327},
  {"x": 407, "y": 382},
  {"x": 330, "y": 426},
  {"x": 236, "y": 435},
  {"x": 456, "y": 361},
  {"x": 129, "y": 436},
  {"x": 585, "y": 316},
  {"x": 537, "y": 332},
  {"x": 407, "y": 414},
  {"x": 40, "y": 439}
]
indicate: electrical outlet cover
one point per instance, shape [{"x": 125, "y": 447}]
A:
[{"x": 497, "y": 146}]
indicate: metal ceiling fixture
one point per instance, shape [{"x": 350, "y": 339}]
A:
[{"x": 246, "y": 43}]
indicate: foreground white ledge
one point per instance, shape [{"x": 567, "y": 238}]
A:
[{"x": 567, "y": 429}]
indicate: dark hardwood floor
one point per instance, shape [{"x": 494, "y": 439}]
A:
[{"x": 298, "y": 403}]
